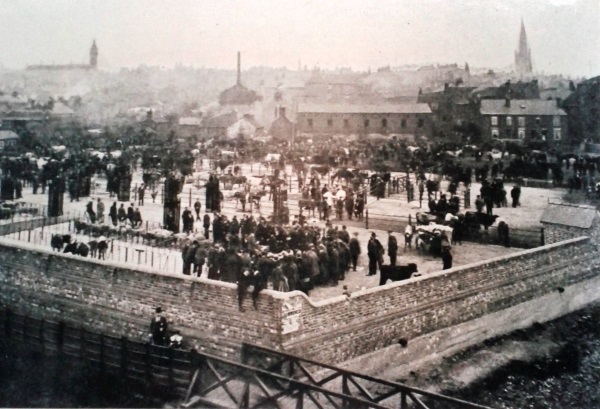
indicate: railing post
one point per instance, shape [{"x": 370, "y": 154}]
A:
[
  {"x": 102, "y": 363},
  {"x": 367, "y": 219},
  {"x": 148, "y": 362},
  {"x": 124, "y": 358},
  {"x": 345, "y": 390},
  {"x": 60, "y": 335},
  {"x": 41, "y": 333},
  {"x": 542, "y": 239},
  {"x": 171, "y": 374},
  {"x": 7, "y": 322},
  {"x": 82, "y": 342}
]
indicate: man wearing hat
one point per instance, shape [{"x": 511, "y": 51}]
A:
[
  {"x": 158, "y": 328},
  {"x": 375, "y": 252}
]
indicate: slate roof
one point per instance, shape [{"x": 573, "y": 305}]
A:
[
  {"x": 520, "y": 107},
  {"x": 404, "y": 108},
  {"x": 579, "y": 216},
  {"x": 4, "y": 135},
  {"x": 190, "y": 121}
]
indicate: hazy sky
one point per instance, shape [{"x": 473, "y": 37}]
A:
[{"x": 564, "y": 35}]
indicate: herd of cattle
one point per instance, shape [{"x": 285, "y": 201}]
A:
[{"x": 94, "y": 248}]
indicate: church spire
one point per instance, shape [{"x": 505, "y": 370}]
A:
[
  {"x": 94, "y": 55},
  {"x": 523, "y": 64}
]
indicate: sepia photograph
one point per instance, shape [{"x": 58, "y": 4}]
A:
[{"x": 386, "y": 204}]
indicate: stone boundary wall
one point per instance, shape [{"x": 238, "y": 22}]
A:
[
  {"x": 112, "y": 298},
  {"x": 341, "y": 329}
]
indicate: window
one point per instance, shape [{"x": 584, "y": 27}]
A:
[
  {"x": 420, "y": 123},
  {"x": 366, "y": 123},
  {"x": 494, "y": 121},
  {"x": 384, "y": 123},
  {"x": 557, "y": 134},
  {"x": 521, "y": 121},
  {"x": 403, "y": 123},
  {"x": 509, "y": 121},
  {"x": 556, "y": 120},
  {"x": 537, "y": 120},
  {"x": 310, "y": 122},
  {"x": 495, "y": 133},
  {"x": 330, "y": 122},
  {"x": 521, "y": 133},
  {"x": 346, "y": 123}
]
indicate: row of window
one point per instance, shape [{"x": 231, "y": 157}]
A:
[
  {"x": 521, "y": 120},
  {"x": 367, "y": 123},
  {"x": 521, "y": 133}
]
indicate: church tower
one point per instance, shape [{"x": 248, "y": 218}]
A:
[
  {"x": 94, "y": 55},
  {"x": 523, "y": 65}
]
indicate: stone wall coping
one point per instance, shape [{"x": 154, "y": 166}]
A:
[
  {"x": 286, "y": 296},
  {"x": 125, "y": 266},
  {"x": 439, "y": 273}
]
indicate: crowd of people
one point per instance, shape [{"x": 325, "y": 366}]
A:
[
  {"x": 254, "y": 252},
  {"x": 117, "y": 216}
]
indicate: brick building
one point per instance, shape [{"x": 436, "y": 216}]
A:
[
  {"x": 563, "y": 221},
  {"x": 523, "y": 121},
  {"x": 409, "y": 119},
  {"x": 583, "y": 107}
]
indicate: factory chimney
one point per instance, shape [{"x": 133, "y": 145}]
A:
[{"x": 239, "y": 70}]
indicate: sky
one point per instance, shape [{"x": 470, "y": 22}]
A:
[{"x": 564, "y": 35}]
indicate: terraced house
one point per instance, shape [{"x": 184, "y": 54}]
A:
[{"x": 523, "y": 121}]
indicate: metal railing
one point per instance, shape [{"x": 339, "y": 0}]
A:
[{"x": 374, "y": 390}]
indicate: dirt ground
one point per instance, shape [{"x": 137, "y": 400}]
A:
[{"x": 533, "y": 202}]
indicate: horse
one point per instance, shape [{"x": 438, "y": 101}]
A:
[{"x": 321, "y": 170}]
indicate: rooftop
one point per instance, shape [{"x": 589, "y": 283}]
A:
[
  {"x": 571, "y": 215},
  {"x": 520, "y": 107},
  {"x": 4, "y": 135},
  {"x": 404, "y": 108}
]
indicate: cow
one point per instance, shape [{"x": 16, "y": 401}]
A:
[
  {"x": 76, "y": 248},
  {"x": 59, "y": 240},
  {"x": 473, "y": 219},
  {"x": 79, "y": 226},
  {"x": 321, "y": 170},
  {"x": 396, "y": 273},
  {"x": 102, "y": 247}
]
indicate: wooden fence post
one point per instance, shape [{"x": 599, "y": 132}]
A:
[
  {"x": 102, "y": 363},
  {"x": 60, "y": 335},
  {"x": 124, "y": 358},
  {"x": 367, "y": 219}
]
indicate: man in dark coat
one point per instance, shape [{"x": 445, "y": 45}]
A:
[
  {"x": 206, "y": 225},
  {"x": 354, "y": 250},
  {"x": 188, "y": 220},
  {"x": 392, "y": 248},
  {"x": 130, "y": 214},
  {"x": 158, "y": 328},
  {"x": 446, "y": 259},
  {"x": 188, "y": 254},
  {"x": 375, "y": 252},
  {"x": 197, "y": 208},
  {"x": 515, "y": 194}
]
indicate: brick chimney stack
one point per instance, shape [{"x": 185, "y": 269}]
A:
[{"x": 239, "y": 69}]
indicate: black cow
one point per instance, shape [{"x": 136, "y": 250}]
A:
[
  {"x": 79, "y": 226},
  {"x": 76, "y": 248},
  {"x": 478, "y": 218},
  {"x": 397, "y": 273},
  {"x": 59, "y": 240}
]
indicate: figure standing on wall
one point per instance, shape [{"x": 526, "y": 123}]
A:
[
  {"x": 158, "y": 328},
  {"x": 446, "y": 259}
]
